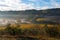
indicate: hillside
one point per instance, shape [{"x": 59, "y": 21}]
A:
[
  {"x": 51, "y": 14},
  {"x": 30, "y": 25}
]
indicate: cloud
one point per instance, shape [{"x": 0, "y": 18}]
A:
[
  {"x": 3, "y": 5},
  {"x": 14, "y": 5},
  {"x": 6, "y": 5},
  {"x": 55, "y": 4}
]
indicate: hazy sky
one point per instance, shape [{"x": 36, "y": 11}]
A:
[{"x": 28, "y": 4}]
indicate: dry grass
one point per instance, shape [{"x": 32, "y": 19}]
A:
[{"x": 27, "y": 26}]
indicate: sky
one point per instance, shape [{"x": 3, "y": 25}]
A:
[{"x": 6, "y": 5}]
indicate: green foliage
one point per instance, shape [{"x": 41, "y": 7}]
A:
[
  {"x": 13, "y": 31},
  {"x": 10, "y": 30},
  {"x": 52, "y": 31},
  {"x": 35, "y": 31},
  {"x": 25, "y": 31},
  {"x": 2, "y": 32},
  {"x": 18, "y": 31}
]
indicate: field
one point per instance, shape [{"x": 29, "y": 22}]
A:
[{"x": 30, "y": 32}]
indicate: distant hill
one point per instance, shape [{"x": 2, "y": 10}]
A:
[{"x": 52, "y": 14}]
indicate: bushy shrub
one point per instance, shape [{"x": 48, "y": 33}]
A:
[
  {"x": 12, "y": 31},
  {"x": 52, "y": 31},
  {"x": 2, "y": 32},
  {"x": 35, "y": 31}
]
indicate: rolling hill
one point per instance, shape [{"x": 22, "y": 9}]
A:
[{"x": 51, "y": 14}]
